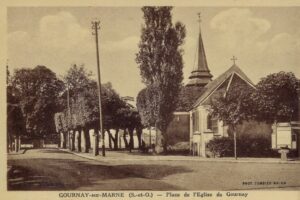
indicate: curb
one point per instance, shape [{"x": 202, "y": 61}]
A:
[{"x": 185, "y": 159}]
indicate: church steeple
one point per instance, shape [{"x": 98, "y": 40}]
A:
[{"x": 200, "y": 75}]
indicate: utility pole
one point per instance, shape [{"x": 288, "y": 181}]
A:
[{"x": 96, "y": 27}]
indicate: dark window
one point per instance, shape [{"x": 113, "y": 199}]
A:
[
  {"x": 195, "y": 117},
  {"x": 209, "y": 122},
  {"x": 215, "y": 127},
  {"x": 212, "y": 124}
]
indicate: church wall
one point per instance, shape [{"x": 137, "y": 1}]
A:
[{"x": 199, "y": 137}]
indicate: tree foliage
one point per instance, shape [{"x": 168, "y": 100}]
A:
[
  {"x": 83, "y": 91},
  {"x": 39, "y": 90},
  {"x": 60, "y": 122},
  {"x": 187, "y": 97},
  {"x": 160, "y": 61},
  {"x": 234, "y": 106},
  {"x": 276, "y": 97},
  {"x": 147, "y": 105},
  {"x": 15, "y": 119}
]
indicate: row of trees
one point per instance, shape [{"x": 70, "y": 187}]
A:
[
  {"x": 80, "y": 112},
  {"x": 40, "y": 104}
]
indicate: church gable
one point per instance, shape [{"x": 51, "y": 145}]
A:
[
  {"x": 223, "y": 83},
  {"x": 231, "y": 82}
]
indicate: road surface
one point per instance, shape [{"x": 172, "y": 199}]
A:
[{"x": 52, "y": 169}]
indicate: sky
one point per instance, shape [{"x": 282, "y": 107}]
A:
[{"x": 264, "y": 39}]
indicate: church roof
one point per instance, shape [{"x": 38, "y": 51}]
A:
[
  {"x": 200, "y": 76},
  {"x": 202, "y": 62},
  {"x": 187, "y": 97},
  {"x": 213, "y": 85}
]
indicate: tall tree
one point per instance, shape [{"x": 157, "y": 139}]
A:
[
  {"x": 234, "y": 107},
  {"x": 160, "y": 61},
  {"x": 276, "y": 97},
  {"x": 38, "y": 90}
]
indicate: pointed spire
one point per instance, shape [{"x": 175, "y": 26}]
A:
[{"x": 200, "y": 76}]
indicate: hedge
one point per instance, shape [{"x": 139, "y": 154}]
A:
[{"x": 246, "y": 147}]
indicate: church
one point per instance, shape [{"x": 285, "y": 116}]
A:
[{"x": 192, "y": 119}]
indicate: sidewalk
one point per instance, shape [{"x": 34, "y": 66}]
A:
[{"x": 126, "y": 156}]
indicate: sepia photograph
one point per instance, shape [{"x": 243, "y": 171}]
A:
[{"x": 152, "y": 98}]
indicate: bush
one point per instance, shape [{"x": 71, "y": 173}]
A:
[
  {"x": 221, "y": 147},
  {"x": 254, "y": 146},
  {"x": 247, "y": 146}
]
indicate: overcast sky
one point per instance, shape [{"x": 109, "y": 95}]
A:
[{"x": 265, "y": 40}]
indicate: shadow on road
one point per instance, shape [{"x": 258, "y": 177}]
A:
[{"x": 69, "y": 174}]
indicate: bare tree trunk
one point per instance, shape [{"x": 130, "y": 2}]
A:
[
  {"x": 11, "y": 144},
  {"x": 65, "y": 140},
  {"x": 110, "y": 138},
  {"x": 103, "y": 143},
  {"x": 120, "y": 141},
  {"x": 87, "y": 140},
  {"x": 158, "y": 140},
  {"x": 59, "y": 140},
  {"x": 70, "y": 140},
  {"x": 96, "y": 145},
  {"x": 8, "y": 143},
  {"x": 116, "y": 139},
  {"x": 164, "y": 140},
  {"x": 139, "y": 132},
  {"x": 73, "y": 140},
  {"x": 125, "y": 140},
  {"x": 79, "y": 140},
  {"x": 17, "y": 143},
  {"x": 150, "y": 139},
  {"x": 131, "y": 142}
]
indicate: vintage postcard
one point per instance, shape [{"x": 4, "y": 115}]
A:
[{"x": 143, "y": 100}]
